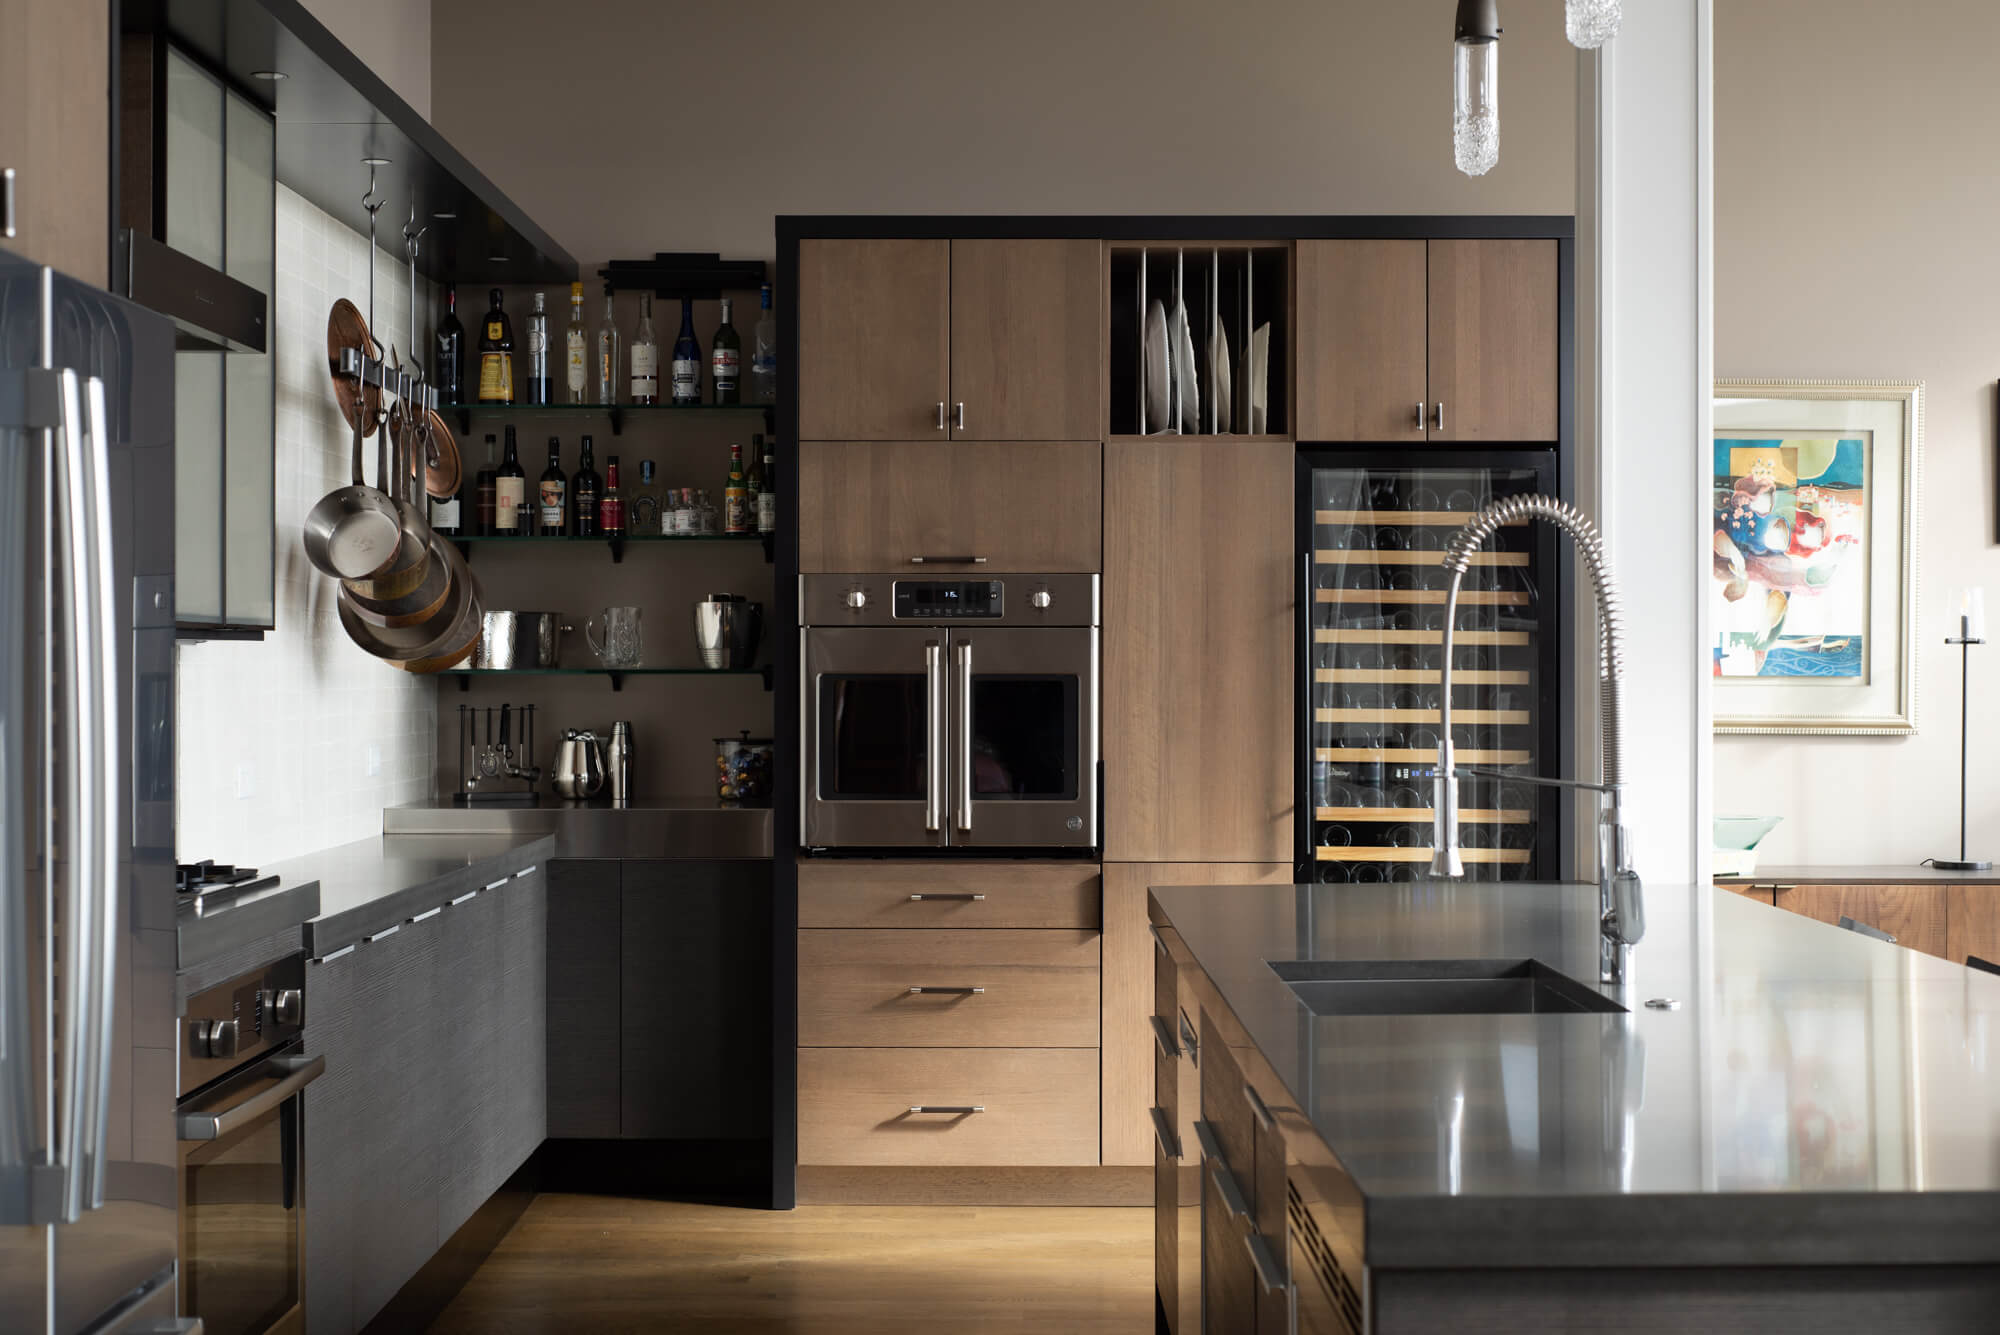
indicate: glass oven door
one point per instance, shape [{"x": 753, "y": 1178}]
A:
[
  {"x": 241, "y": 1204},
  {"x": 875, "y": 706},
  {"x": 1024, "y": 712}
]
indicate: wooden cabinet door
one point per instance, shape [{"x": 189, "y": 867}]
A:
[
  {"x": 1024, "y": 506},
  {"x": 874, "y": 326},
  {"x": 582, "y": 980},
  {"x": 55, "y": 133},
  {"x": 1972, "y": 917},
  {"x": 1027, "y": 359},
  {"x": 1361, "y": 317},
  {"x": 1494, "y": 341},
  {"x": 1913, "y": 914},
  {"x": 1198, "y": 647}
]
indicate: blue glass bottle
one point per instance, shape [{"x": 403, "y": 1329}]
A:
[{"x": 687, "y": 358}]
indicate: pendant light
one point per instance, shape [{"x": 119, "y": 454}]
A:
[
  {"x": 1475, "y": 123},
  {"x": 1592, "y": 23}
]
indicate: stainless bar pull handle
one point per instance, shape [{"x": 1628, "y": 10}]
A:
[
  {"x": 1259, "y": 1109},
  {"x": 919, "y": 989},
  {"x": 940, "y": 414},
  {"x": 964, "y": 655},
  {"x": 383, "y": 934},
  {"x": 425, "y": 916},
  {"x": 78, "y": 843},
  {"x": 297, "y": 1073},
  {"x": 495, "y": 885},
  {"x": 1269, "y": 1273},
  {"x": 957, "y": 896},
  {"x": 7, "y": 202},
  {"x": 1225, "y": 1184},
  {"x": 947, "y": 560},
  {"x": 949, "y": 1109},
  {"x": 1159, "y": 942},
  {"x": 1170, "y": 1144},
  {"x": 1164, "y": 1036},
  {"x": 1204, "y": 1139},
  {"x": 934, "y": 727},
  {"x": 1420, "y": 414},
  {"x": 1440, "y": 414},
  {"x": 961, "y": 417},
  {"x": 104, "y": 789}
]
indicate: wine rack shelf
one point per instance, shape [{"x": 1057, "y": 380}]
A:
[
  {"x": 1398, "y": 755},
  {"x": 1424, "y": 676},
  {"x": 1422, "y": 597},
  {"x": 1403, "y": 518},
  {"x": 1419, "y": 853},
  {"x": 1419, "y": 716},
  {"x": 1336, "y": 557},
  {"x": 1512, "y": 638},
  {"x": 1472, "y": 815}
]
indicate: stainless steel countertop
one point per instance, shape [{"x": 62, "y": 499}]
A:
[
  {"x": 1818, "y": 1098},
  {"x": 217, "y": 928},
  {"x": 1899, "y": 874},
  {"x": 372, "y": 884},
  {"x": 647, "y": 827}
]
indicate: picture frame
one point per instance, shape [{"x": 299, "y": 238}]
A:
[{"x": 1814, "y": 560}]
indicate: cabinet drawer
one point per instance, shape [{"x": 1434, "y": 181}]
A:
[
  {"x": 1035, "y": 989},
  {"x": 847, "y": 893},
  {"x": 1039, "y": 1106}
]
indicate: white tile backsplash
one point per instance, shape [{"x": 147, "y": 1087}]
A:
[{"x": 291, "y": 721}]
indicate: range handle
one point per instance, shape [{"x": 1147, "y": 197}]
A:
[
  {"x": 294, "y": 1073},
  {"x": 934, "y": 727},
  {"x": 962, "y": 653}
]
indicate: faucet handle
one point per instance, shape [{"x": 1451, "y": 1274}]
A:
[
  {"x": 1625, "y": 912},
  {"x": 1445, "y": 859}
]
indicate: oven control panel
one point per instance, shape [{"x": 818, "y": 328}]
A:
[
  {"x": 950, "y": 599},
  {"x": 227, "y": 1025}
]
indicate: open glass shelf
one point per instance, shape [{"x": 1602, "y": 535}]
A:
[
  {"x": 617, "y": 675},
  {"x": 615, "y": 413},
  {"x": 616, "y": 546}
]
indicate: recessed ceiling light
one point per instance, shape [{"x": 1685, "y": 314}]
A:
[
  {"x": 444, "y": 217},
  {"x": 269, "y": 76},
  {"x": 375, "y": 162}
]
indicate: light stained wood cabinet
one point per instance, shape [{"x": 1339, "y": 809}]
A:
[
  {"x": 1198, "y": 648},
  {"x": 1363, "y": 325},
  {"x": 874, "y": 331},
  {"x": 1036, "y": 1106},
  {"x": 1763, "y": 894},
  {"x": 864, "y": 892},
  {"x": 1026, "y": 506},
  {"x": 1131, "y": 990},
  {"x": 1972, "y": 915},
  {"x": 1494, "y": 341},
  {"x": 1020, "y": 989},
  {"x": 1913, "y": 914},
  {"x": 931, "y": 340},
  {"x": 55, "y": 133},
  {"x": 1027, "y": 357}
]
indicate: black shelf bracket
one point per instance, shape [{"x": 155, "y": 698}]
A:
[
  {"x": 617, "y": 551},
  {"x": 464, "y": 417},
  {"x": 766, "y": 672},
  {"x": 617, "y": 680}
]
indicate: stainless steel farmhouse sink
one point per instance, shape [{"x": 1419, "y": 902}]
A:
[{"x": 1438, "y": 987}]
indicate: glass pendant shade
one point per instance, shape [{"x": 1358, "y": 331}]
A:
[
  {"x": 1475, "y": 123},
  {"x": 1592, "y": 23}
]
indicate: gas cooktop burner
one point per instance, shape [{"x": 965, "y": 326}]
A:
[{"x": 207, "y": 878}]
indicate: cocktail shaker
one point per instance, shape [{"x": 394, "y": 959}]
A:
[{"x": 618, "y": 760}]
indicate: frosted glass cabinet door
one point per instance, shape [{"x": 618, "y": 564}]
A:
[
  {"x": 246, "y": 519},
  {"x": 197, "y": 485},
  {"x": 194, "y": 158}
]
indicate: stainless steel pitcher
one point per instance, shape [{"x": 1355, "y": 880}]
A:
[{"x": 579, "y": 767}]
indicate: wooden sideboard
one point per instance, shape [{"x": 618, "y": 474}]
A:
[{"x": 1943, "y": 913}]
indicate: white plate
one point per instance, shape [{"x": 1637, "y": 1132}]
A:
[
  {"x": 1156, "y": 367},
  {"x": 1180, "y": 341},
  {"x": 1260, "y": 359},
  {"x": 1218, "y": 370}
]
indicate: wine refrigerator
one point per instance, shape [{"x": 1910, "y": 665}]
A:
[{"x": 1373, "y": 524}]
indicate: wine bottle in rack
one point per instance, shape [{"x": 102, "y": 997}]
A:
[
  {"x": 496, "y": 354},
  {"x": 725, "y": 359},
  {"x": 583, "y": 495},
  {"x": 645, "y": 387},
  {"x": 687, "y": 359},
  {"x": 484, "y": 491},
  {"x": 539, "y": 385},
  {"x": 510, "y": 492},
  {"x": 576, "y": 342},
  {"x": 611, "y": 503},
  {"x": 607, "y": 353},
  {"x": 448, "y": 356},
  {"x": 552, "y": 488}
]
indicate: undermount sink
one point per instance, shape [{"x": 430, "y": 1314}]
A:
[{"x": 1439, "y": 987}]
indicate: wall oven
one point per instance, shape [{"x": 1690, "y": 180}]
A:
[
  {"x": 243, "y": 1073},
  {"x": 949, "y": 713}
]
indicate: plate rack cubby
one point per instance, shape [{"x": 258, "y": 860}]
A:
[{"x": 1228, "y": 291}]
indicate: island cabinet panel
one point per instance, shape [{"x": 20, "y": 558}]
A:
[
  {"x": 1495, "y": 341},
  {"x": 1973, "y": 916},
  {"x": 1362, "y": 331},
  {"x": 1198, "y": 647},
  {"x": 880, "y": 893},
  {"x": 947, "y": 1106},
  {"x": 1913, "y": 914},
  {"x": 1763, "y": 894},
  {"x": 1133, "y": 990},
  {"x": 695, "y": 1000},
  {"x": 583, "y": 981},
  {"x": 1229, "y": 1282},
  {"x": 1024, "y": 506},
  {"x": 948, "y": 989},
  {"x": 1027, "y": 357},
  {"x": 874, "y": 339}
]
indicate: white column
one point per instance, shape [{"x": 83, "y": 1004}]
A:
[{"x": 1644, "y": 371}]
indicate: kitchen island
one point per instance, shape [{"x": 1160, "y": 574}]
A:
[{"x": 1801, "y": 1131}]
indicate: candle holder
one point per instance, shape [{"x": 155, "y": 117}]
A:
[{"x": 1965, "y": 639}]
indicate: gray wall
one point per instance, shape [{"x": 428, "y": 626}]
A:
[
  {"x": 392, "y": 36},
  {"x": 1856, "y": 208}
]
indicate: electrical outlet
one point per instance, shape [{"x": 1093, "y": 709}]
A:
[
  {"x": 246, "y": 782},
  {"x": 374, "y": 767}
]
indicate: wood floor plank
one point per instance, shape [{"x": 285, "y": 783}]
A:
[{"x": 601, "y": 1264}]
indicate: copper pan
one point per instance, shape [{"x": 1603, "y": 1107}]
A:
[
  {"x": 360, "y": 403},
  {"x": 423, "y": 597},
  {"x": 439, "y": 459}
]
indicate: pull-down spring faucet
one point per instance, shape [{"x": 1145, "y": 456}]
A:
[{"x": 1620, "y": 896}]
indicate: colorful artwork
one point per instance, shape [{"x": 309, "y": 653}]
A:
[{"x": 1791, "y": 556}]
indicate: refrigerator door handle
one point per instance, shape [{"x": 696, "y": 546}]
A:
[{"x": 103, "y": 610}]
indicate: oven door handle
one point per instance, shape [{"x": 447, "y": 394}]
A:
[
  {"x": 298, "y": 1072},
  {"x": 934, "y": 728},
  {"x": 962, "y": 650}
]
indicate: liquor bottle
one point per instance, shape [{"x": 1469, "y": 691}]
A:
[
  {"x": 735, "y": 496},
  {"x": 555, "y": 514},
  {"x": 448, "y": 354},
  {"x": 767, "y": 499},
  {"x": 645, "y": 356},
  {"x": 510, "y": 491},
  {"x": 607, "y": 353},
  {"x": 611, "y": 505},
  {"x": 687, "y": 358},
  {"x": 725, "y": 359},
  {"x": 642, "y": 511},
  {"x": 753, "y": 479},
  {"x": 483, "y": 491},
  {"x": 538, "y": 353},
  {"x": 445, "y": 513},
  {"x": 576, "y": 365},
  {"x": 764, "y": 353},
  {"x": 496, "y": 355},
  {"x": 583, "y": 488}
]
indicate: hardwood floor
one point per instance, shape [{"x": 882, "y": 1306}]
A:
[{"x": 596, "y": 1263}]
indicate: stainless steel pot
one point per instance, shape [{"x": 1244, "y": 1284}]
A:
[
  {"x": 520, "y": 640},
  {"x": 579, "y": 768}
]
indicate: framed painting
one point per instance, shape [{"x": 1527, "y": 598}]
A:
[{"x": 1814, "y": 552}]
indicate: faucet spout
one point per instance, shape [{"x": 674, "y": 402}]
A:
[{"x": 1622, "y": 915}]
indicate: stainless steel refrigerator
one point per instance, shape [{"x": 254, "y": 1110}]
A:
[{"x": 88, "y": 1161}]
